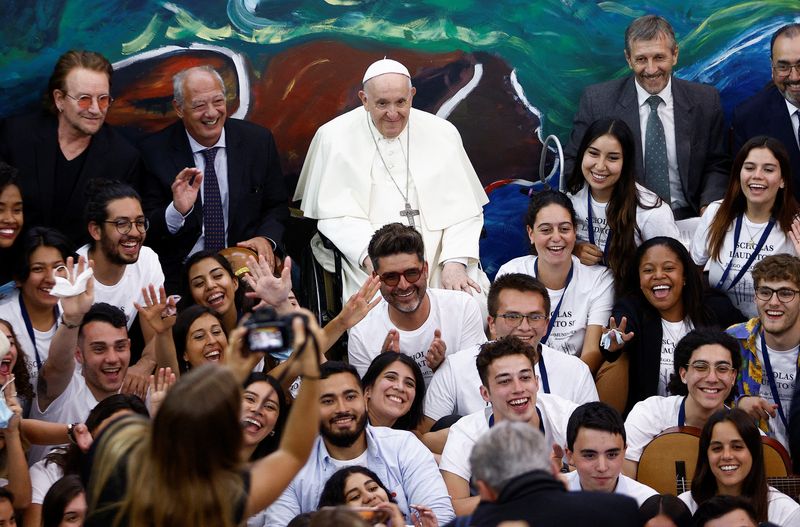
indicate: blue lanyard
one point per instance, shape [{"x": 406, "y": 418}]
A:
[
  {"x": 591, "y": 228},
  {"x": 554, "y": 316},
  {"x": 543, "y": 371},
  {"x": 736, "y": 232},
  {"x": 773, "y": 388},
  {"x": 682, "y": 413},
  {"x": 29, "y": 327}
]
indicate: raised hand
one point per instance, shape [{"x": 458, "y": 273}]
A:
[
  {"x": 159, "y": 311},
  {"x": 273, "y": 291},
  {"x": 160, "y": 384},
  {"x": 612, "y": 326},
  {"x": 185, "y": 188},
  {"x": 436, "y": 352},
  {"x": 361, "y": 302},
  {"x": 76, "y": 306},
  {"x": 391, "y": 342}
]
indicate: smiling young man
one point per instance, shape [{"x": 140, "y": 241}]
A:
[
  {"x": 596, "y": 448},
  {"x": 705, "y": 365},
  {"x": 94, "y": 336},
  {"x": 509, "y": 384},
  {"x": 769, "y": 345},
  {"x": 679, "y": 122},
  {"x": 122, "y": 265},
  {"x": 383, "y": 162},
  {"x": 210, "y": 180},
  {"x": 518, "y": 305},
  {"x": 421, "y": 322},
  {"x": 401, "y": 461}
]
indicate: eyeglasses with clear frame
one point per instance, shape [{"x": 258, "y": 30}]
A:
[
  {"x": 515, "y": 319},
  {"x": 124, "y": 225},
  {"x": 784, "y": 69},
  {"x": 704, "y": 367},
  {"x": 785, "y": 295},
  {"x": 85, "y": 100}
]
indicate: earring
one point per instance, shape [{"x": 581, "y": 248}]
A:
[{"x": 272, "y": 433}]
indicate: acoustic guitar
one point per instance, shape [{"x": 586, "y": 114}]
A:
[{"x": 668, "y": 462}]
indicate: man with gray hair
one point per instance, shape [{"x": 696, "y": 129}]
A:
[
  {"x": 517, "y": 480},
  {"x": 677, "y": 124},
  {"x": 201, "y": 169},
  {"x": 385, "y": 162}
]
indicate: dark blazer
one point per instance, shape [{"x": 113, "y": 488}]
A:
[
  {"x": 539, "y": 499},
  {"x": 703, "y": 163},
  {"x": 30, "y": 143},
  {"x": 765, "y": 113},
  {"x": 257, "y": 195}
]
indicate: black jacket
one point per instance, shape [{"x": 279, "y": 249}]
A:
[
  {"x": 30, "y": 143},
  {"x": 539, "y": 499}
]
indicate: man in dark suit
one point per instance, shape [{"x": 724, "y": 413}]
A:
[
  {"x": 775, "y": 110},
  {"x": 517, "y": 481},
  {"x": 210, "y": 182},
  {"x": 57, "y": 151},
  {"x": 686, "y": 120}
]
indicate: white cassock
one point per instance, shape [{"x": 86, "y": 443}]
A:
[{"x": 351, "y": 191}]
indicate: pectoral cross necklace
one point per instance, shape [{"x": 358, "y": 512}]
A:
[{"x": 407, "y": 212}]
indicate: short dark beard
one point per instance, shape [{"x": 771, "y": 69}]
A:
[{"x": 344, "y": 439}]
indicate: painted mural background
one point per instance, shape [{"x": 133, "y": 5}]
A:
[{"x": 505, "y": 72}]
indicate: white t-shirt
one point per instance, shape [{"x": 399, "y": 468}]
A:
[
  {"x": 658, "y": 221},
  {"x": 625, "y": 486},
  {"x": 781, "y": 509},
  {"x": 455, "y": 313},
  {"x": 455, "y": 387},
  {"x": 742, "y": 293},
  {"x": 647, "y": 419},
  {"x": 11, "y": 313},
  {"x": 554, "y": 411},
  {"x": 671, "y": 333},
  {"x": 43, "y": 475},
  {"x": 146, "y": 271},
  {"x": 72, "y": 406},
  {"x": 588, "y": 300},
  {"x": 784, "y": 369}
]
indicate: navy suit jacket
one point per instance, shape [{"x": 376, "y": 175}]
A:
[
  {"x": 30, "y": 143},
  {"x": 257, "y": 195},
  {"x": 703, "y": 164},
  {"x": 765, "y": 113}
]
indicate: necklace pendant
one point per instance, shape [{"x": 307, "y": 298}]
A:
[{"x": 409, "y": 213}]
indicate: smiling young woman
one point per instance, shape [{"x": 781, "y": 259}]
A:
[
  {"x": 755, "y": 219},
  {"x": 615, "y": 214},
  {"x": 663, "y": 300},
  {"x": 581, "y": 296},
  {"x": 730, "y": 461}
]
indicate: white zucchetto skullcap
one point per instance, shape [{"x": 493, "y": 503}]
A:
[{"x": 383, "y": 66}]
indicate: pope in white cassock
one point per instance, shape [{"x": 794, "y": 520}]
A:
[{"x": 387, "y": 162}]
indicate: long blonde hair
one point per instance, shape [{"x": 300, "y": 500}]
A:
[{"x": 186, "y": 469}]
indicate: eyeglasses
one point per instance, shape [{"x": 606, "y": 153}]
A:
[
  {"x": 786, "y": 69},
  {"x": 703, "y": 367},
  {"x": 411, "y": 276},
  {"x": 124, "y": 226},
  {"x": 85, "y": 101},
  {"x": 515, "y": 319},
  {"x": 785, "y": 295}
]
